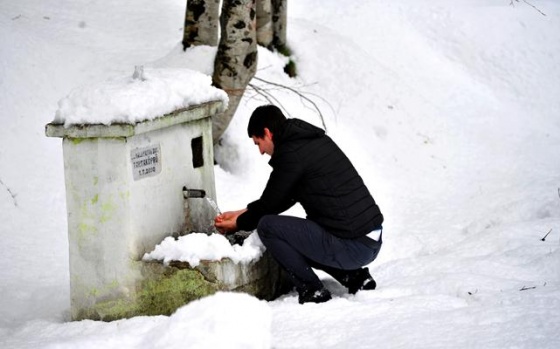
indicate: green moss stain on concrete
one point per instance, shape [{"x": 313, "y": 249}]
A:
[
  {"x": 94, "y": 292},
  {"x": 108, "y": 208},
  {"x": 85, "y": 232},
  {"x": 87, "y": 225},
  {"x": 124, "y": 195},
  {"x": 164, "y": 290},
  {"x": 76, "y": 141},
  {"x": 174, "y": 289}
]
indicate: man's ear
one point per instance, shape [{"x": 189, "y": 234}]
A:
[{"x": 268, "y": 133}]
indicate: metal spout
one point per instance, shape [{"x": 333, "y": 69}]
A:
[{"x": 193, "y": 193}]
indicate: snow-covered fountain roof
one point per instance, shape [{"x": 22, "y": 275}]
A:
[{"x": 138, "y": 103}]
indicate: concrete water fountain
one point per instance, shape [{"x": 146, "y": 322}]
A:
[{"x": 130, "y": 185}]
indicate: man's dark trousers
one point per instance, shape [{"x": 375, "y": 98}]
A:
[{"x": 299, "y": 244}]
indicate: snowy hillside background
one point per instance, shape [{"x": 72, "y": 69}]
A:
[{"x": 450, "y": 110}]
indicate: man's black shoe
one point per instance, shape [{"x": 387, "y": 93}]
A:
[
  {"x": 314, "y": 296},
  {"x": 359, "y": 279}
]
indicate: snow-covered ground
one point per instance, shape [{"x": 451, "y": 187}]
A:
[{"x": 449, "y": 110}]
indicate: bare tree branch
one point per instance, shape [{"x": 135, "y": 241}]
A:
[
  {"x": 267, "y": 95},
  {"x": 301, "y": 94},
  {"x": 527, "y": 3},
  {"x": 11, "y": 193}
]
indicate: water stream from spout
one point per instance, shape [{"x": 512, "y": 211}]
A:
[
  {"x": 214, "y": 205},
  {"x": 232, "y": 238}
]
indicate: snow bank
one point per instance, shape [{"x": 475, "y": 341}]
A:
[
  {"x": 193, "y": 248},
  {"x": 126, "y": 99},
  {"x": 224, "y": 320}
]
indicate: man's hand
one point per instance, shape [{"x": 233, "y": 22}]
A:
[{"x": 227, "y": 221}]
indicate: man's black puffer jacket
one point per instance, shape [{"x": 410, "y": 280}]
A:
[{"x": 309, "y": 168}]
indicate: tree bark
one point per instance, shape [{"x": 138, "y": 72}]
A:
[
  {"x": 279, "y": 24},
  {"x": 264, "y": 23},
  {"x": 201, "y": 23},
  {"x": 236, "y": 60}
]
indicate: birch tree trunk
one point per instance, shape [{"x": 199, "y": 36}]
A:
[
  {"x": 201, "y": 23},
  {"x": 279, "y": 23},
  {"x": 264, "y": 23},
  {"x": 236, "y": 60}
]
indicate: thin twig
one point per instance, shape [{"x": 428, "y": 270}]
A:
[
  {"x": 527, "y": 3},
  {"x": 11, "y": 193},
  {"x": 267, "y": 95},
  {"x": 544, "y": 237},
  {"x": 299, "y": 93},
  {"x": 525, "y": 288},
  {"x": 270, "y": 97}
]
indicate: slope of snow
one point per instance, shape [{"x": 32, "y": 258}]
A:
[{"x": 448, "y": 109}]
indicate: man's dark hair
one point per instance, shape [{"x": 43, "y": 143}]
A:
[{"x": 265, "y": 116}]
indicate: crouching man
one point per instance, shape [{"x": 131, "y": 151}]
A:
[{"x": 342, "y": 231}]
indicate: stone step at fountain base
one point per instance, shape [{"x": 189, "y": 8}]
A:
[{"x": 165, "y": 288}]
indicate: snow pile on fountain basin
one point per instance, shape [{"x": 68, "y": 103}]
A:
[{"x": 195, "y": 247}]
